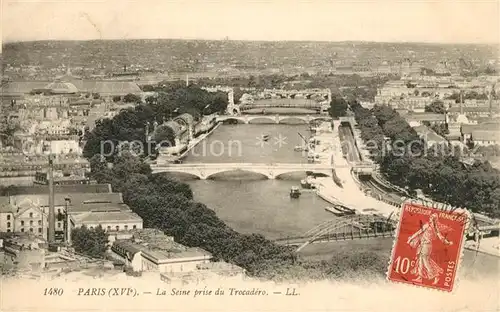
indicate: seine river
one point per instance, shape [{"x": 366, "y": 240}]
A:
[{"x": 247, "y": 202}]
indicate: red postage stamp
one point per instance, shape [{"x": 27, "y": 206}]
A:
[{"x": 428, "y": 247}]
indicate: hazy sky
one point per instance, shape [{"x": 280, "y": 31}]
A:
[{"x": 472, "y": 21}]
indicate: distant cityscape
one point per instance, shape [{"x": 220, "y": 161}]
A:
[{"x": 44, "y": 60}]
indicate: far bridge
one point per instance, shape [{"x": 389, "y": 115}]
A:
[
  {"x": 307, "y": 105},
  {"x": 346, "y": 228},
  {"x": 270, "y": 171},
  {"x": 276, "y": 119}
]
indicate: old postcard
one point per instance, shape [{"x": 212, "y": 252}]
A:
[{"x": 273, "y": 155}]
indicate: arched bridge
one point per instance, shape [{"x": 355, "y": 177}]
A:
[
  {"x": 345, "y": 228},
  {"x": 271, "y": 171},
  {"x": 309, "y": 105},
  {"x": 273, "y": 118}
]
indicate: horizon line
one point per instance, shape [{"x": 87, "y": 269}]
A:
[{"x": 5, "y": 42}]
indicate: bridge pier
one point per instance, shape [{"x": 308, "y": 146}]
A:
[{"x": 233, "y": 110}]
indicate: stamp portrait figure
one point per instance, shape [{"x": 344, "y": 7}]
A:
[
  {"x": 428, "y": 246},
  {"x": 430, "y": 233}
]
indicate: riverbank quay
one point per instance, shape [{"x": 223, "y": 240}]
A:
[
  {"x": 347, "y": 191},
  {"x": 165, "y": 159}
]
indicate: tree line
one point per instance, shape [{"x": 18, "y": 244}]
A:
[
  {"x": 167, "y": 204},
  {"x": 131, "y": 123},
  {"x": 438, "y": 170}
]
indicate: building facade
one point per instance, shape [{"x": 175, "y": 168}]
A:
[{"x": 29, "y": 213}]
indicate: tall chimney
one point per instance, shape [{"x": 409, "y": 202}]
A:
[
  {"x": 490, "y": 99},
  {"x": 68, "y": 225},
  {"x": 52, "y": 221},
  {"x": 461, "y": 102},
  {"x": 124, "y": 68},
  {"x": 187, "y": 80}
]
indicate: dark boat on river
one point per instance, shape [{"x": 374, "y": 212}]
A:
[
  {"x": 340, "y": 210},
  {"x": 294, "y": 192}
]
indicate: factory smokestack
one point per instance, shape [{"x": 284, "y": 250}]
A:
[
  {"x": 490, "y": 100},
  {"x": 461, "y": 102},
  {"x": 52, "y": 221},
  {"x": 68, "y": 224}
]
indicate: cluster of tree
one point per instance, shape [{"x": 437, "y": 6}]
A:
[
  {"x": 238, "y": 93},
  {"x": 440, "y": 129},
  {"x": 193, "y": 100},
  {"x": 345, "y": 85},
  {"x": 167, "y": 204},
  {"x": 130, "y": 124},
  {"x": 438, "y": 171},
  {"x": 338, "y": 107},
  {"x": 430, "y": 72},
  {"x": 363, "y": 93},
  {"x": 395, "y": 127},
  {"x": 472, "y": 95},
  {"x": 7, "y": 129},
  {"x": 132, "y": 98},
  {"x": 437, "y": 107},
  {"x": 91, "y": 242},
  {"x": 6, "y": 190},
  {"x": 252, "y": 81}
]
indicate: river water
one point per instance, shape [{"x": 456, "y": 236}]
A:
[
  {"x": 250, "y": 203},
  {"x": 247, "y": 202}
]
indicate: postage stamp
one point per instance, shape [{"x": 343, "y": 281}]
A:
[{"x": 428, "y": 246}]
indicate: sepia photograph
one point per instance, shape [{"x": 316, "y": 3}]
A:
[{"x": 319, "y": 155}]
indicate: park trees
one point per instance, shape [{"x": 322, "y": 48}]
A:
[
  {"x": 91, "y": 242},
  {"x": 439, "y": 173},
  {"x": 132, "y": 98},
  {"x": 164, "y": 134},
  {"x": 436, "y": 107},
  {"x": 338, "y": 107},
  {"x": 168, "y": 204},
  {"x": 130, "y": 124}
]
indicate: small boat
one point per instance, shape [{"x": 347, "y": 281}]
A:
[
  {"x": 300, "y": 148},
  {"x": 335, "y": 211},
  {"x": 345, "y": 210},
  {"x": 312, "y": 157},
  {"x": 308, "y": 183},
  {"x": 265, "y": 137},
  {"x": 294, "y": 192},
  {"x": 370, "y": 211},
  {"x": 305, "y": 184}
]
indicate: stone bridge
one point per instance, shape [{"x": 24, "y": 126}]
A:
[
  {"x": 273, "y": 118},
  {"x": 312, "y": 106},
  {"x": 270, "y": 171}
]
